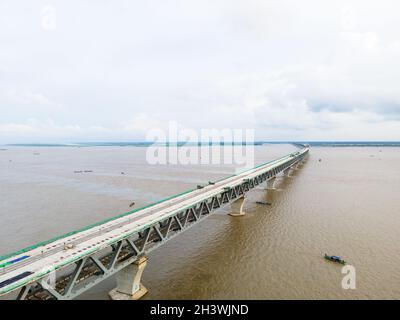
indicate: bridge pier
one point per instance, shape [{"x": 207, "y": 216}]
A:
[
  {"x": 237, "y": 207},
  {"x": 291, "y": 170},
  {"x": 129, "y": 286},
  {"x": 299, "y": 165},
  {"x": 286, "y": 172},
  {"x": 270, "y": 183}
]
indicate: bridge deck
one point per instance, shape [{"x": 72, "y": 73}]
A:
[{"x": 33, "y": 263}]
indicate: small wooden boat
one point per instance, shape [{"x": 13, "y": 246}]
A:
[
  {"x": 335, "y": 259},
  {"x": 264, "y": 203}
]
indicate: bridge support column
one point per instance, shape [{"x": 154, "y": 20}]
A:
[
  {"x": 270, "y": 184},
  {"x": 129, "y": 286},
  {"x": 291, "y": 170},
  {"x": 286, "y": 172},
  {"x": 237, "y": 207}
]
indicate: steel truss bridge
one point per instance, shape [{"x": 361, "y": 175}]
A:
[{"x": 65, "y": 267}]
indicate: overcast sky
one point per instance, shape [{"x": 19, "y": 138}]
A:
[{"x": 80, "y": 70}]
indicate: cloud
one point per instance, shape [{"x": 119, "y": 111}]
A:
[
  {"x": 288, "y": 69},
  {"x": 142, "y": 123},
  {"x": 49, "y": 131}
]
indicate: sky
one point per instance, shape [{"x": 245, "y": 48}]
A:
[{"x": 96, "y": 70}]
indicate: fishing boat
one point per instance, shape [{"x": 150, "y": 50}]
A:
[
  {"x": 335, "y": 259},
  {"x": 264, "y": 203}
]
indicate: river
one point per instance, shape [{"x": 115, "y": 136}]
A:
[{"x": 343, "y": 201}]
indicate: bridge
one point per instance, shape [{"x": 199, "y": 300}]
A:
[{"x": 65, "y": 267}]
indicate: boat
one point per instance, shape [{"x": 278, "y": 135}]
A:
[
  {"x": 264, "y": 203},
  {"x": 336, "y": 259}
]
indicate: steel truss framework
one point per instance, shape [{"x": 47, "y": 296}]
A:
[{"x": 84, "y": 274}]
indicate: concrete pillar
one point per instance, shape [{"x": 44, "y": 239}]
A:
[
  {"x": 237, "y": 207},
  {"x": 270, "y": 183},
  {"x": 286, "y": 172},
  {"x": 129, "y": 286}
]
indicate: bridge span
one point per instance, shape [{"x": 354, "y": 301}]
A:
[{"x": 67, "y": 266}]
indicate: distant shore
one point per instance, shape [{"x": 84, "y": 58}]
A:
[{"x": 257, "y": 143}]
